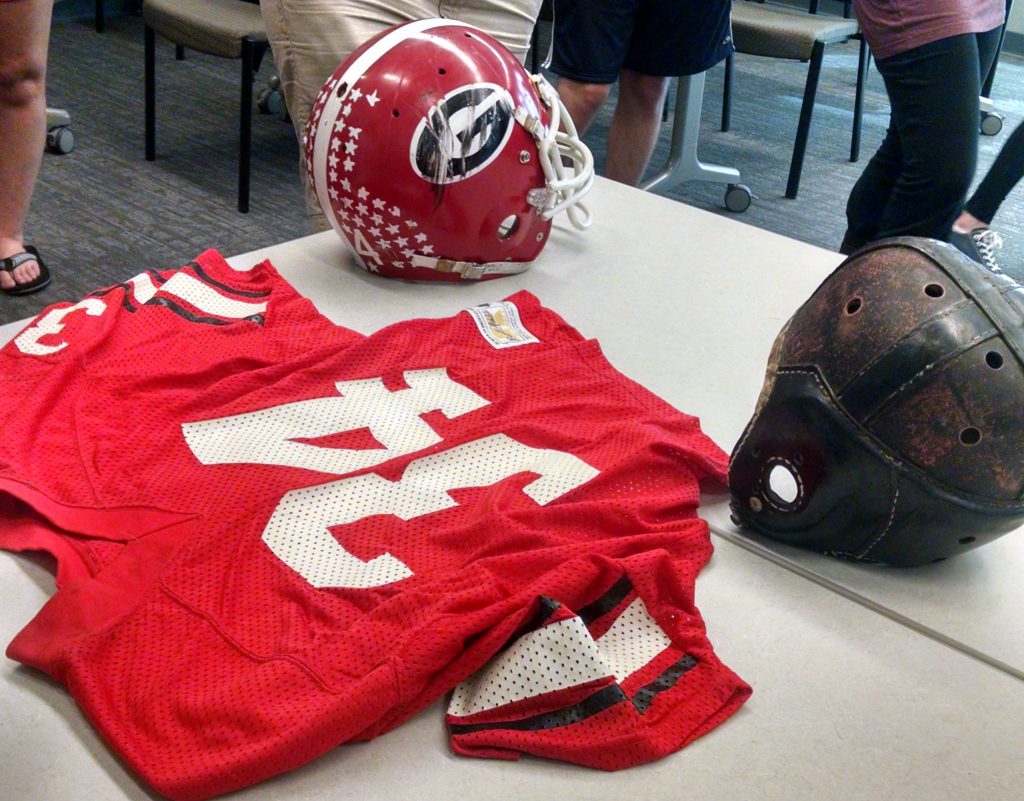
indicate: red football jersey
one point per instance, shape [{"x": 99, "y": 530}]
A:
[{"x": 276, "y": 536}]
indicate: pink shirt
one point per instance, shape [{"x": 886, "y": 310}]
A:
[{"x": 895, "y": 26}]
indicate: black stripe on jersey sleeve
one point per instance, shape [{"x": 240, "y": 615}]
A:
[
  {"x": 158, "y": 280},
  {"x": 598, "y": 702},
  {"x": 603, "y": 699},
  {"x": 546, "y": 607},
  {"x": 192, "y": 317},
  {"x": 129, "y": 302},
  {"x": 607, "y": 602},
  {"x": 242, "y": 293},
  {"x": 666, "y": 681}
]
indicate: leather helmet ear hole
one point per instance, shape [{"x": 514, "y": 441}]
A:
[
  {"x": 853, "y": 305},
  {"x": 967, "y": 540},
  {"x": 342, "y": 88},
  {"x": 970, "y": 436},
  {"x": 994, "y": 359},
  {"x": 442, "y": 71},
  {"x": 934, "y": 290},
  {"x": 782, "y": 484},
  {"x": 394, "y": 112},
  {"x": 508, "y": 226}
]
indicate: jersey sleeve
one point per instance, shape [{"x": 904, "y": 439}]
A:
[
  {"x": 91, "y": 391},
  {"x": 623, "y": 680},
  {"x": 110, "y": 370}
]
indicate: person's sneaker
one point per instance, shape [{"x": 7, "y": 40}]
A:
[{"x": 980, "y": 244}]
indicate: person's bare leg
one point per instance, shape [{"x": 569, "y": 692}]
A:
[
  {"x": 582, "y": 100},
  {"x": 24, "y": 41},
  {"x": 635, "y": 125}
]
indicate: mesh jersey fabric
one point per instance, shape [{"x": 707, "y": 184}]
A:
[
  {"x": 96, "y": 390},
  {"x": 276, "y": 535}
]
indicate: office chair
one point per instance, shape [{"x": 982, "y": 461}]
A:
[
  {"x": 59, "y": 137},
  {"x": 777, "y": 31},
  {"x": 991, "y": 121},
  {"x": 225, "y": 28}
]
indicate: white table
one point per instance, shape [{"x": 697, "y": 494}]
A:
[
  {"x": 847, "y": 704},
  {"x": 971, "y": 603}
]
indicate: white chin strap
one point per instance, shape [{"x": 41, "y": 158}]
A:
[
  {"x": 566, "y": 183},
  {"x": 471, "y": 271}
]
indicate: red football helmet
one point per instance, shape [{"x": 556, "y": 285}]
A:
[{"x": 436, "y": 156}]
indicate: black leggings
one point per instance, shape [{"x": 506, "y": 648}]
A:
[
  {"x": 916, "y": 183},
  {"x": 1002, "y": 176}
]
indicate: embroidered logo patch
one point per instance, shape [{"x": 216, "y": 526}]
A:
[{"x": 500, "y": 325}]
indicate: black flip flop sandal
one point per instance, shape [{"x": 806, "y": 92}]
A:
[{"x": 41, "y": 281}]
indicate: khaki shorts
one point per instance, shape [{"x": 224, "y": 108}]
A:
[{"x": 310, "y": 38}]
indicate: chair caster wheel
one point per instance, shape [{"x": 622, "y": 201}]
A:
[
  {"x": 270, "y": 101},
  {"x": 60, "y": 140},
  {"x": 991, "y": 123},
  {"x": 738, "y": 197}
]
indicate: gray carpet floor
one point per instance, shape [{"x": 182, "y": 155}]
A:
[{"x": 102, "y": 213}]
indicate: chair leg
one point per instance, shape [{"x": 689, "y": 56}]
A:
[
  {"x": 245, "y": 125},
  {"x": 803, "y": 129},
  {"x": 727, "y": 95},
  {"x": 150, "y": 92},
  {"x": 534, "y": 44},
  {"x": 259, "y": 49},
  {"x": 858, "y": 101}
]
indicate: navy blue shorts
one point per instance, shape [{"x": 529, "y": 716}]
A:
[{"x": 594, "y": 39}]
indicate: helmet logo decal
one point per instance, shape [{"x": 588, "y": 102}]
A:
[{"x": 463, "y": 133}]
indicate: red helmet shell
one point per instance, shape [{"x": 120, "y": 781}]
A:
[{"x": 416, "y": 155}]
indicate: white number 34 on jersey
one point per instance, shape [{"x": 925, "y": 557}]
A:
[{"x": 298, "y": 530}]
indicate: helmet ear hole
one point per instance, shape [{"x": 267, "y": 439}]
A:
[
  {"x": 782, "y": 484},
  {"x": 508, "y": 226},
  {"x": 970, "y": 436}
]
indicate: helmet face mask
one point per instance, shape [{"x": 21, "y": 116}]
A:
[
  {"x": 889, "y": 428},
  {"x": 436, "y": 156}
]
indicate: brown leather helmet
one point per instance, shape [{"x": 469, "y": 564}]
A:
[{"x": 891, "y": 423}]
